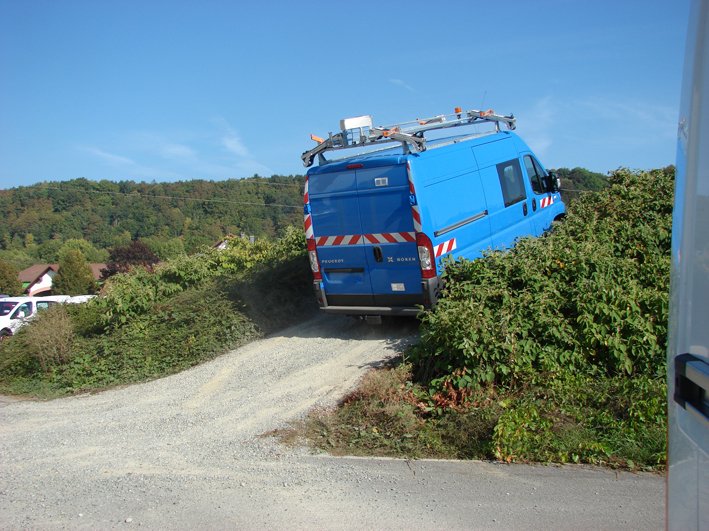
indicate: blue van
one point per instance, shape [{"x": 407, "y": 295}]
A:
[{"x": 379, "y": 223}]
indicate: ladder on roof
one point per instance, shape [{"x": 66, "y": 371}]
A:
[{"x": 359, "y": 131}]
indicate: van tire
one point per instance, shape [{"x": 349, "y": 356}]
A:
[{"x": 5, "y": 333}]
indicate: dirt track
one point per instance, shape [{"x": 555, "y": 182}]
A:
[{"x": 186, "y": 452}]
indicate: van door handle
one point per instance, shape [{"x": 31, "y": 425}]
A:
[
  {"x": 378, "y": 253},
  {"x": 534, "y": 205},
  {"x": 524, "y": 208},
  {"x": 692, "y": 385}
]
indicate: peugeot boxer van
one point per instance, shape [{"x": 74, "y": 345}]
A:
[{"x": 379, "y": 223}]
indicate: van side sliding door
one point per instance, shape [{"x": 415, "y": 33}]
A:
[{"x": 512, "y": 219}]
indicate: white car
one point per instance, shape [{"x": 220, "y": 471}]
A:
[{"x": 16, "y": 311}]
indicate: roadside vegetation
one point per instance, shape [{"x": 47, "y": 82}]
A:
[
  {"x": 149, "y": 324},
  {"x": 553, "y": 351}
]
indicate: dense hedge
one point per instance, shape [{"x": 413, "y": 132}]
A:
[
  {"x": 149, "y": 324},
  {"x": 564, "y": 336},
  {"x": 589, "y": 298}
]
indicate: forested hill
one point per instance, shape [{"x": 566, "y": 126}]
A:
[
  {"x": 581, "y": 179},
  {"x": 111, "y": 213},
  {"x": 170, "y": 218}
]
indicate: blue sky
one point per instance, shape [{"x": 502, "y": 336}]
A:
[{"x": 157, "y": 90}]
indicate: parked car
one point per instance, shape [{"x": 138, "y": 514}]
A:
[
  {"x": 380, "y": 223},
  {"x": 80, "y": 299},
  {"x": 15, "y": 312}
]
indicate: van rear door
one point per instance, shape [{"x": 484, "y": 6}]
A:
[
  {"x": 334, "y": 205},
  {"x": 365, "y": 236},
  {"x": 389, "y": 237}
]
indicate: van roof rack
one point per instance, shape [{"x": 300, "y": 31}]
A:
[{"x": 359, "y": 131}]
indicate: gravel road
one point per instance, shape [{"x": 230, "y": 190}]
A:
[{"x": 185, "y": 452}]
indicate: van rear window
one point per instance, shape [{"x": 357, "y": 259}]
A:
[{"x": 511, "y": 182}]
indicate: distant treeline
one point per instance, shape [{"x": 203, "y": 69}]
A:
[
  {"x": 174, "y": 218},
  {"x": 171, "y": 218},
  {"x": 579, "y": 180}
]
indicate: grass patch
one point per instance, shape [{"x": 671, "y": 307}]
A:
[
  {"x": 384, "y": 417},
  {"x": 573, "y": 421}
]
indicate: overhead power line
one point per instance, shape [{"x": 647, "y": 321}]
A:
[{"x": 182, "y": 198}]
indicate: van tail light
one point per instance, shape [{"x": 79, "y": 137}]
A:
[
  {"x": 313, "y": 256},
  {"x": 426, "y": 256}
]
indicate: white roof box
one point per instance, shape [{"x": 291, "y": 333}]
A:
[{"x": 356, "y": 122}]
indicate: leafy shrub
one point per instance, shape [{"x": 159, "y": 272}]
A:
[
  {"x": 564, "y": 335},
  {"x": 576, "y": 181},
  {"x": 8, "y": 279},
  {"x": 126, "y": 296},
  {"x": 123, "y": 258},
  {"x": 617, "y": 421},
  {"x": 590, "y": 297},
  {"x": 183, "y": 330},
  {"x": 188, "y": 328},
  {"x": 49, "y": 340},
  {"x": 275, "y": 296},
  {"x": 74, "y": 276},
  {"x": 148, "y": 324}
]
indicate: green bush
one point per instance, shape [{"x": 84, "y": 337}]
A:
[
  {"x": 570, "y": 330},
  {"x": 74, "y": 276},
  {"x": 591, "y": 297},
  {"x": 149, "y": 324},
  {"x": 185, "y": 329},
  {"x": 50, "y": 340},
  {"x": 9, "y": 284}
]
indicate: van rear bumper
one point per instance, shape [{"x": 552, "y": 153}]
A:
[
  {"x": 391, "y": 304},
  {"x": 371, "y": 310}
]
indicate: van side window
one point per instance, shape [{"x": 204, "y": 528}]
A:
[
  {"x": 43, "y": 305},
  {"x": 510, "y": 175},
  {"x": 535, "y": 174}
]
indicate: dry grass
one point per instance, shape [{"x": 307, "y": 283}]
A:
[{"x": 49, "y": 338}]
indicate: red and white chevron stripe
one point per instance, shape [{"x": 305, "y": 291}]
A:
[
  {"x": 361, "y": 239},
  {"x": 415, "y": 212},
  {"x": 307, "y": 218},
  {"x": 349, "y": 239},
  {"x": 391, "y": 237},
  {"x": 308, "y": 226},
  {"x": 445, "y": 247},
  {"x": 546, "y": 201}
]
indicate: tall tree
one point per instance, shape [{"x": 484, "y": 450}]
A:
[
  {"x": 91, "y": 253},
  {"x": 74, "y": 276},
  {"x": 124, "y": 258},
  {"x": 9, "y": 283}
]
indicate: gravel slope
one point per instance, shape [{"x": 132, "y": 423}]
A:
[{"x": 184, "y": 452}]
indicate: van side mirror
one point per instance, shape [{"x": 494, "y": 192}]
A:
[{"x": 553, "y": 182}]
